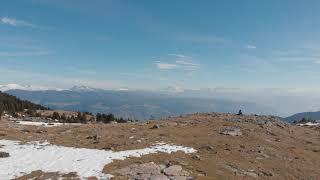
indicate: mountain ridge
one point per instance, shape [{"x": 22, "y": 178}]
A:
[
  {"x": 307, "y": 115},
  {"x": 136, "y": 104},
  {"x": 13, "y": 104}
]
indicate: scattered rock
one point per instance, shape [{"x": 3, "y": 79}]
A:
[
  {"x": 40, "y": 131},
  {"x": 196, "y": 157},
  {"x": 233, "y": 120},
  {"x": 239, "y": 172},
  {"x": 25, "y": 130},
  {"x": 162, "y": 167},
  {"x": 175, "y": 170},
  {"x": 94, "y": 137},
  {"x": 244, "y": 173},
  {"x": 179, "y": 178},
  {"x": 208, "y": 148},
  {"x": 231, "y": 130},
  {"x": 269, "y": 132},
  {"x": 261, "y": 153},
  {"x": 156, "y": 126},
  {"x": 152, "y": 171},
  {"x": 316, "y": 150},
  {"x": 4, "y": 154},
  {"x": 201, "y": 173},
  {"x": 108, "y": 148},
  {"x": 265, "y": 173},
  {"x": 139, "y": 171},
  {"x": 158, "y": 177}
]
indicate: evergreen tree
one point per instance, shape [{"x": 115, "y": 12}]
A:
[
  {"x": 56, "y": 115},
  {"x": 12, "y": 104},
  {"x": 64, "y": 118}
]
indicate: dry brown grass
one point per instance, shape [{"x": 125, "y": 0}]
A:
[{"x": 286, "y": 151}]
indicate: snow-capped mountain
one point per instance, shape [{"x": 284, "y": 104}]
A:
[
  {"x": 8, "y": 87},
  {"x": 84, "y": 89}
]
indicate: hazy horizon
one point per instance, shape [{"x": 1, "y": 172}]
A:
[{"x": 263, "y": 52}]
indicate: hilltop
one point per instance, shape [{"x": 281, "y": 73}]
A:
[
  {"x": 227, "y": 146},
  {"x": 307, "y": 115},
  {"x": 13, "y": 104}
]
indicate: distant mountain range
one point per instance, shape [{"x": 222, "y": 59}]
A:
[
  {"x": 306, "y": 115},
  {"x": 140, "y": 105},
  {"x": 8, "y": 87}
]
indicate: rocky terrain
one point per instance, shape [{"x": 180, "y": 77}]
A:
[{"x": 227, "y": 146}]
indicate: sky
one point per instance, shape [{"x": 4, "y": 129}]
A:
[{"x": 147, "y": 44}]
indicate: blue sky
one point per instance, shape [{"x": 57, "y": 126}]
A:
[{"x": 155, "y": 44}]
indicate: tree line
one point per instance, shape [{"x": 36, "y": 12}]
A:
[
  {"x": 12, "y": 104},
  {"x": 108, "y": 118},
  {"x": 84, "y": 117}
]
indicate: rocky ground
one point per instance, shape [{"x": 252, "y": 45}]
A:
[{"x": 228, "y": 147}]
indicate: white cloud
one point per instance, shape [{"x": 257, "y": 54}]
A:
[
  {"x": 181, "y": 62},
  {"x": 187, "y": 62},
  {"x": 179, "y": 55},
  {"x": 165, "y": 66},
  {"x": 297, "y": 55},
  {"x": 14, "y": 22},
  {"x": 250, "y": 46}
]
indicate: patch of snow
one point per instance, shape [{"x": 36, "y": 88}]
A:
[
  {"x": 309, "y": 124},
  {"x": 31, "y": 123},
  {"x": 84, "y": 89},
  {"x": 8, "y": 87},
  {"x": 25, "y": 158}
]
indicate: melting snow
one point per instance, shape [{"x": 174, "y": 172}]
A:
[
  {"x": 38, "y": 123},
  {"x": 32, "y": 123},
  {"x": 309, "y": 124},
  {"x": 25, "y": 158}
]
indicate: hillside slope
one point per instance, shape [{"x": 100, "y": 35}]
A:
[
  {"x": 228, "y": 146},
  {"x": 13, "y": 104},
  {"x": 307, "y": 115}
]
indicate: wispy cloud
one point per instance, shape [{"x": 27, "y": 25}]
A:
[
  {"x": 178, "y": 55},
  {"x": 250, "y": 46},
  {"x": 187, "y": 63},
  {"x": 317, "y": 62},
  {"x": 180, "y": 61},
  {"x": 15, "y": 22},
  {"x": 165, "y": 66},
  {"x": 297, "y": 55}
]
